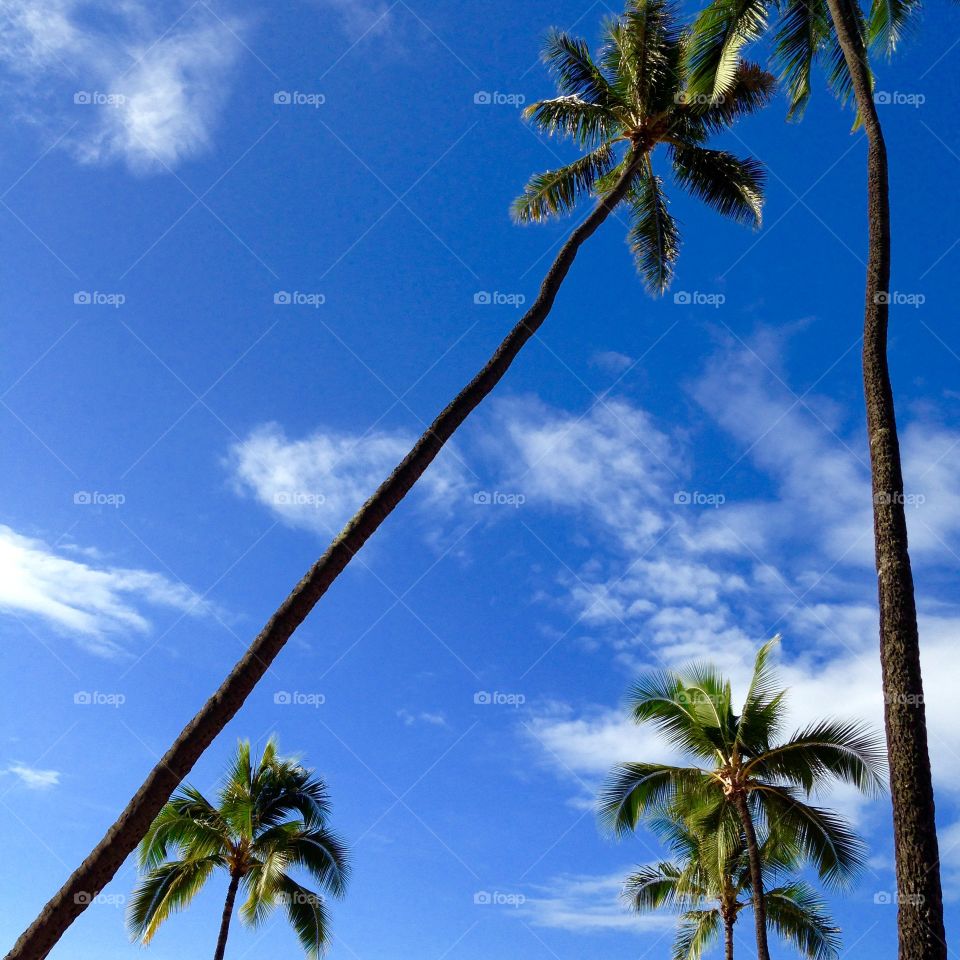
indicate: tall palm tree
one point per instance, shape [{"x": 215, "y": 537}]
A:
[
  {"x": 763, "y": 779},
  {"x": 709, "y": 883},
  {"x": 836, "y": 33},
  {"x": 271, "y": 817},
  {"x": 621, "y": 108}
]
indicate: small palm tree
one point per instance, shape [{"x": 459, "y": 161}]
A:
[
  {"x": 271, "y": 817},
  {"x": 709, "y": 883},
  {"x": 633, "y": 100},
  {"x": 764, "y": 780}
]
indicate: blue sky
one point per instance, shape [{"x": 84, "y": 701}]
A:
[{"x": 655, "y": 480}]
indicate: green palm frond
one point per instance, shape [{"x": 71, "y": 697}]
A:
[
  {"x": 576, "y": 73},
  {"x": 889, "y": 22},
  {"x": 750, "y": 91},
  {"x": 804, "y": 30},
  {"x": 308, "y": 916},
  {"x": 762, "y": 711},
  {"x": 188, "y": 823},
  {"x": 653, "y": 886},
  {"x": 586, "y": 123},
  {"x": 697, "y": 931},
  {"x": 662, "y": 698},
  {"x": 556, "y": 192},
  {"x": 822, "y": 836},
  {"x": 732, "y": 186},
  {"x": 653, "y": 237},
  {"x": 165, "y": 890},
  {"x": 799, "y": 916},
  {"x": 316, "y": 849},
  {"x": 634, "y": 788},
  {"x": 720, "y": 32},
  {"x": 847, "y": 751}
]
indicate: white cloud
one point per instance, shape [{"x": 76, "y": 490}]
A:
[
  {"x": 319, "y": 482},
  {"x": 33, "y": 778},
  {"x": 92, "y": 602},
  {"x": 588, "y": 904},
  {"x": 149, "y": 91},
  {"x": 360, "y": 17},
  {"x": 431, "y": 719}
]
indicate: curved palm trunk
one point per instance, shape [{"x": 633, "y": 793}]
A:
[
  {"x": 921, "y": 930},
  {"x": 756, "y": 877},
  {"x": 123, "y": 836},
  {"x": 227, "y": 914}
]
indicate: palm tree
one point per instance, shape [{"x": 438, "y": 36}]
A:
[
  {"x": 623, "y": 107},
  {"x": 709, "y": 882},
  {"x": 271, "y": 817},
  {"x": 750, "y": 771},
  {"x": 836, "y": 33}
]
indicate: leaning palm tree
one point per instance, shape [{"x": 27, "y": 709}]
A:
[
  {"x": 622, "y": 108},
  {"x": 271, "y": 817},
  {"x": 747, "y": 769},
  {"x": 837, "y": 34},
  {"x": 708, "y": 882}
]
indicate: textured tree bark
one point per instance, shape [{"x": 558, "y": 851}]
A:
[
  {"x": 227, "y": 914},
  {"x": 120, "y": 840},
  {"x": 728, "y": 937},
  {"x": 756, "y": 876},
  {"x": 920, "y": 916}
]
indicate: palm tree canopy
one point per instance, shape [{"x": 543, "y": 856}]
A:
[
  {"x": 744, "y": 754},
  {"x": 621, "y": 105},
  {"x": 709, "y": 881},
  {"x": 802, "y": 37},
  {"x": 270, "y": 818}
]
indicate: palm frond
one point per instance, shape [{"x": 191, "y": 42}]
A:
[
  {"x": 556, "y": 192},
  {"x": 569, "y": 60},
  {"x": 732, "y": 186},
  {"x": 696, "y": 932},
  {"x": 889, "y": 23},
  {"x": 720, "y": 32},
  {"x": 585, "y": 123},
  {"x": 762, "y": 712},
  {"x": 803, "y": 31},
  {"x": 165, "y": 890},
  {"x": 799, "y": 915},
  {"x": 653, "y": 886},
  {"x": 848, "y": 751},
  {"x": 634, "y": 788},
  {"x": 308, "y": 916},
  {"x": 822, "y": 836},
  {"x": 750, "y": 91},
  {"x": 653, "y": 236}
]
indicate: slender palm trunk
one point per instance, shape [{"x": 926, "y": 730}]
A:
[
  {"x": 105, "y": 859},
  {"x": 921, "y": 930},
  {"x": 728, "y": 923},
  {"x": 756, "y": 876},
  {"x": 227, "y": 914}
]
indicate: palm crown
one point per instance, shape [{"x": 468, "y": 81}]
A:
[
  {"x": 748, "y": 767},
  {"x": 619, "y": 108},
  {"x": 708, "y": 881},
  {"x": 803, "y": 36},
  {"x": 271, "y": 818}
]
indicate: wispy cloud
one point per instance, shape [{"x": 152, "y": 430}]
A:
[
  {"x": 91, "y": 602},
  {"x": 119, "y": 82},
  {"x": 317, "y": 483},
  {"x": 588, "y": 904},
  {"x": 33, "y": 778}
]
